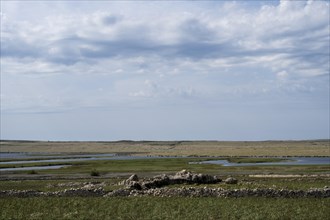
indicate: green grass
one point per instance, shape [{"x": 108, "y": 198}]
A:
[
  {"x": 253, "y": 160},
  {"x": 152, "y": 167},
  {"x": 32, "y": 172},
  {"x": 177, "y": 148},
  {"x": 33, "y": 164},
  {"x": 64, "y": 156},
  {"x": 95, "y": 173},
  {"x": 175, "y": 164},
  {"x": 118, "y": 166},
  {"x": 171, "y": 165},
  {"x": 265, "y": 183},
  {"x": 111, "y": 183},
  {"x": 286, "y": 183},
  {"x": 164, "y": 208},
  {"x": 54, "y": 185}
]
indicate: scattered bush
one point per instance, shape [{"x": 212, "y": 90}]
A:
[
  {"x": 95, "y": 173},
  {"x": 32, "y": 172}
]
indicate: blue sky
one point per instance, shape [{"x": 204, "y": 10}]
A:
[{"x": 164, "y": 70}]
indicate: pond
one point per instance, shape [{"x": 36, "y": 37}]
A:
[
  {"x": 35, "y": 168},
  {"x": 48, "y": 155},
  {"x": 65, "y": 158},
  {"x": 26, "y": 158},
  {"x": 287, "y": 161}
]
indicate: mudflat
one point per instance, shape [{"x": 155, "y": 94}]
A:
[{"x": 177, "y": 148}]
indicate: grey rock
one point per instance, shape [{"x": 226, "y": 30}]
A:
[
  {"x": 134, "y": 185},
  {"x": 134, "y": 177},
  {"x": 131, "y": 181},
  {"x": 182, "y": 177},
  {"x": 231, "y": 180},
  {"x": 174, "y": 192},
  {"x": 119, "y": 192}
]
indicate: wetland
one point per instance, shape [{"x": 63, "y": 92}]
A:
[{"x": 279, "y": 182}]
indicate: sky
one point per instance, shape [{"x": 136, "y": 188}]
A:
[{"x": 165, "y": 70}]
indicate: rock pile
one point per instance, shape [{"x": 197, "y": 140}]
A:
[
  {"x": 19, "y": 193},
  {"x": 132, "y": 182},
  {"x": 220, "y": 192},
  {"x": 182, "y": 177},
  {"x": 231, "y": 180},
  {"x": 87, "y": 189},
  {"x": 81, "y": 192},
  {"x": 156, "y": 186},
  {"x": 175, "y": 192},
  {"x": 78, "y": 184}
]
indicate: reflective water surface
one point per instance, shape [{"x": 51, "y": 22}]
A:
[
  {"x": 289, "y": 161},
  {"x": 35, "y": 168},
  {"x": 25, "y": 158}
]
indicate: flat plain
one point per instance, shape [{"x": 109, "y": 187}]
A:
[
  {"x": 177, "y": 148},
  {"x": 108, "y": 173}
]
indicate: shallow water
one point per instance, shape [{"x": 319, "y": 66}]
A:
[
  {"x": 35, "y": 168},
  {"x": 290, "y": 161},
  {"x": 74, "y": 158},
  {"x": 45, "y": 155},
  {"x": 42, "y": 158}
]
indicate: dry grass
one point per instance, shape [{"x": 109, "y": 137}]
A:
[{"x": 178, "y": 148}]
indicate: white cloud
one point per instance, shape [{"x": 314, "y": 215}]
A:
[
  {"x": 296, "y": 31},
  {"x": 282, "y": 75},
  {"x": 200, "y": 50}
]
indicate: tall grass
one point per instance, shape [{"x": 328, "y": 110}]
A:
[{"x": 164, "y": 208}]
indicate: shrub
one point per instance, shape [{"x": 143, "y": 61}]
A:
[
  {"x": 95, "y": 173},
  {"x": 32, "y": 172}
]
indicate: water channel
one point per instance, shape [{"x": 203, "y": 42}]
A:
[
  {"x": 25, "y": 158},
  {"x": 287, "y": 161}
]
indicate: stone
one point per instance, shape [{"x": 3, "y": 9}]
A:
[
  {"x": 182, "y": 177},
  {"x": 134, "y": 185},
  {"x": 134, "y": 177},
  {"x": 119, "y": 192},
  {"x": 130, "y": 181},
  {"x": 157, "y": 182},
  {"x": 231, "y": 180},
  {"x": 173, "y": 192}
]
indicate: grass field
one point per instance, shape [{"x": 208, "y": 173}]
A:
[
  {"x": 178, "y": 148},
  {"x": 113, "y": 171},
  {"x": 245, "y": 182},
  {"x": 170, "y": 165},
  {"x": 164, "y": 208}
]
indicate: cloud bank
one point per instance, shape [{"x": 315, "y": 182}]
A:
[{"x": 56, "y": 57}]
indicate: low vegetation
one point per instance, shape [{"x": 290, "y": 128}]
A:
[
  {"x": 244, "y": 181},
  {"x": 95, "y": 173},
  {"x": 32, "y": 172},
  {"x": 177, "y": 148},
  {"x": 144, "y": 167},
  {"x": 108, "y": 173},
  {"x": 164, "y": 208},
  {"x": 254, "y": 160}
]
